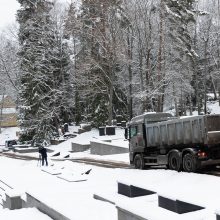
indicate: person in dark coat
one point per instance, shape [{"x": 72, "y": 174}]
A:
[{"x": 43, "y": 152}]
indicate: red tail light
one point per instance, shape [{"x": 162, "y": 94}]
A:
[{"x": 202, "y": 154}]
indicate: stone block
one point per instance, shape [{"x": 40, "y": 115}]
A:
[
  {"x": 110, "y": 130},
  {"x": 101, "y": 131},
  {"x": 98, "y": 148},
  {"x": 56, "y": 154},
  {"x": 12, "y": 202},
  {"x": 167, "y": 203},
  {"x": 177, "y": 206},
  {"x": 124, "y": 189},
  {"x": 80, "y": 147},
  {"x": 132, "y": 191}
]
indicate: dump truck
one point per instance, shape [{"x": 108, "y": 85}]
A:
[{"x": 186, "y": 143}]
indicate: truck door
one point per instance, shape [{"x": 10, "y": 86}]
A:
[
  {"x": 132, "y": 137},
  {"x": 136, "y": 137}
]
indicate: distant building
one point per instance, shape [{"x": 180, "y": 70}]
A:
[{"x": 9, "y": 113}]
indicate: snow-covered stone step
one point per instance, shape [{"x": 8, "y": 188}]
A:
[
  {"x": 144, "y": 210},
  {"x": 31, "y": 201},
  {"x": 2, "y": 193},
  {"x": 13, "y": 200},
  {"x": 180, "y": 188},
  {"x": 3, "y": 188}
]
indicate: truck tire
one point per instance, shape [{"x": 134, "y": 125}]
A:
[
  {"x": 189, "y": 163},
  {"x": 174, "y": 161},
  {"x": 139, "y": 162}
]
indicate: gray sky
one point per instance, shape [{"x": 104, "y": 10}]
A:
[{"x": 8, "y": 10}]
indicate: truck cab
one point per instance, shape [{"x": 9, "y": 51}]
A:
[{"x": 137, "y": 137}]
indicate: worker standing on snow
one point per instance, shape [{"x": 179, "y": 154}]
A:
[{"x": 43, "y": 152}]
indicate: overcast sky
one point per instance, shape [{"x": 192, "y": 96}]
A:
[{"x": 8, "y": 10}]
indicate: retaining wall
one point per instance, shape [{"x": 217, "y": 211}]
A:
[
  {"x": 80, "y": 147},
  {"x": 106, "y": 149}
]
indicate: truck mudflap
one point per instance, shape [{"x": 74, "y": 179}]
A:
[{"x": 131, "y": 157}]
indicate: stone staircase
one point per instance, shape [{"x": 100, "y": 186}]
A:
[
  {"x": 153, "y": 205},
  {"x": 3, "y": 188}
]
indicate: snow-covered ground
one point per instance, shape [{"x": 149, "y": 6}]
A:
[
  {"x": 58, "y": 193},
  {"x": 75, "y": 200},
  {"x": 23, "y": 214}
]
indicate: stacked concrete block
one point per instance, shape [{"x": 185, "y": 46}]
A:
[{"x": 12, "y": 201}]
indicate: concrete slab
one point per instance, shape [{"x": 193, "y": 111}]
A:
[
  {"x": 99, "y": 148},
  {"x": 73, "y": 178},
  {"x": 80, "y": 147},
  {"x": 52, "y": 171},
  {"x": 31, "y": 201},
  {"x": 103, "y": 198}
]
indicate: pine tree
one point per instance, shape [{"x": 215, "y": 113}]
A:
[{"x": 45, "y": 76}]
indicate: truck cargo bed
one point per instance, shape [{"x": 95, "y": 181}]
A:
[{"x": 192, "y": 130}]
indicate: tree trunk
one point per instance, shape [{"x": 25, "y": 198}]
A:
[
  {"x": 110, "y": 106},
  {"x": 175, "y": 102},
  {"x": 1, "y": 110},
  {"x": 130, "y": 74},
  {"x": 160, "y": 57}
]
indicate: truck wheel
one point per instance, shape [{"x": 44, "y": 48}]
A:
[
  {"x": 174, "y": 162},
  {"x": 138, "y": 162},
  {"x": 189, "y": 163}
]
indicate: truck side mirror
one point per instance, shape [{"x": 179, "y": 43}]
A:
[{"x": 126, "y": 133}]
